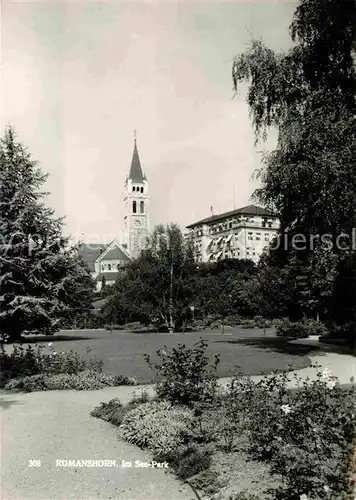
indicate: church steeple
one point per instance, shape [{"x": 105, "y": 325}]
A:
[
  {"x": 136, "y": 174},
  {"x": 136, "y": 201}
]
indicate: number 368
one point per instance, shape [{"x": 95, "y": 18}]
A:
[{"x": 34, "y": 463}]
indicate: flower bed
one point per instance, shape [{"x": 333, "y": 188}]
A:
[
  {"x": 299, "y": 440},
  {"x": 44, "y": 369}
]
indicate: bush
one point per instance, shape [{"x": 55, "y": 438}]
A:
[
  {"x": 208, "y": 481},
  {"x": 136, "y": 325},
  {"x": 23, "y": 362},
  {"x": 156, "y": 425},
  {"x": 243, "y": 495},
  {"x": 183, "y": 375},
  {"x": 300, "y": 329},
  {"x": 114, "y": 327},
  {"x": 114, "y": 411},
  {"x": 233, "y": 320},
  {"x": 186, "y": 460},
  {"x": 198, "y": 324},
  {"x": 304, "y": 434},
  {"x": 248, "y": 323},
  {"x": 87, "y": 380}
]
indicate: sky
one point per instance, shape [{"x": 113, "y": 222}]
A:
[{"x": 78, "y": 77}]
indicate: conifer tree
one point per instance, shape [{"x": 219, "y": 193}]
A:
[{"x": 42, "y": 280}]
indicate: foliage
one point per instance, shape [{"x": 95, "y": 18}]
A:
[
  {"x": 186, "y": 460},
  {"x": 183, "y": 375},
  {"x": 300, "y": 329},
  {"x": 114, "y": 327},
  {"x": 114, "y": 411},
  {"x": 42, "y": 282},
  {"x": 87, "y": 380},
  {"x": 208, "y": 481},
  {"x": 308, "y": 94},
  {"x": 156, "y": 287},
  {"x": 305, "y": 434},
  {"x": 243, "y": 495},
  {"x": 155, "y": 425},
  {"x": 23, "y": 362},
  {"x": 143, "y": 292},
  {"x": 39, "y": 370}
]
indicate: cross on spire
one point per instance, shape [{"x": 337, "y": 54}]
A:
[{"x": 135, "y": 134}]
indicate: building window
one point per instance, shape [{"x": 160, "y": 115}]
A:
[
  {"x": 109, "y": 267},
  {"x": 134, "y": 207},
  {"x": 142, "y": 190},
  {"x": 102, "y": 267},
  {"x": 142, "y": 207}
]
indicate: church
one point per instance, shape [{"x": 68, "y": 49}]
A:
[{"x": 105, "y": 261}]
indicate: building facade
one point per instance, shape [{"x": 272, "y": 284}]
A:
[
  {"x": 106, "y": 261},
  {"x": 243, "y": 233}
]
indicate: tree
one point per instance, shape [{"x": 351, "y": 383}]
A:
[
  {"x": 158, "y": 285},
  {"x": 308, "y": 94},
  {"x": 42, "y": 282}
]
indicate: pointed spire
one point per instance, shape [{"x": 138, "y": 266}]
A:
[{"x": 136, "y": 174}]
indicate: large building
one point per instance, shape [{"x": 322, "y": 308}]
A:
[
  {"x": 105, "y": 261},
  {"x": 239, "y": 234}
]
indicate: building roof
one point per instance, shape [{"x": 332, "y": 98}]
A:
[
  {"x": 90, "y": 252},
  {"x": 115, "y": 254},
  {"x": 248, "y": 210},
  {"x": 109, "y": 276},
  {"x": 136, "y": 174}
]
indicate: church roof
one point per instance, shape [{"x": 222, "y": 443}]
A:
[
  {"x": 115, "y": 254},
  {"x": 136, "y": 174},
  {"x": 89, "y": 252}
]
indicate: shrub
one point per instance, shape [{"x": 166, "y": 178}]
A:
[
  {"x": 87, "y": 380},
  {"x": 304, "y": 434},
  {"x": 136, "y": 325},
  {"x": 114, "y": 327},
  {"x": 248, "y": 323},
  {"x": 209, "y": 481},
  {"x": 156, "y": 425},
  {"x": 114, "y": 411},
  {"x": 198, "y": 324},
  {"x": 186, "y": 460},
  {"x": 299, "y": 329},
  {"x": 243, "y": 495},
  {"x": 203, "y": 427},
  {"x": 183, "y": 375},
  {"x": 233, "y": 320},
  {"x": 23, "y": 362}
]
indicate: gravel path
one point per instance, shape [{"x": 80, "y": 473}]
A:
[
  {"x": 47, "y": 426},
  {"x": 56, "y": 425}
]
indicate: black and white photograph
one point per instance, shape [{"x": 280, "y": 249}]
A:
[{"x": 178, "y": 250}]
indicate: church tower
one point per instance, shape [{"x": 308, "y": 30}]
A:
[{"x": 136, "y": 201}]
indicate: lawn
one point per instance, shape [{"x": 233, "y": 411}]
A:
[{"x": 122, "y": 352}]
